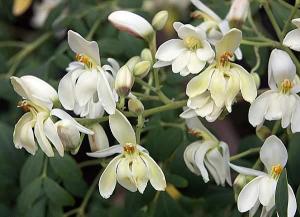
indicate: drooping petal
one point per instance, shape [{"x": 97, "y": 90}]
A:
[
  {"x": 254, "y": 209},
  {"x": 292, "y": 203},
  {"x": 249, "y": 195},
  {"x": 131, "y": 23},
  {"x": 189, "y": 157},
  {"x": 51, "y": 133},
  {"x": 267, "y": 187},
  {"x": 121, "y": 128},
  {"x": 108, "y": 179},
  {"x": 291, "y": 40},
  {"x": 215, "y": 158},
  {"x": 79, "y": 45},
  {"x": 273, "y": 152},
  {"x": 65, "y": 116},
  {"x": 140, "y": 174},
  {"x": 274, "y": 111},
  {"x": 115, "y": 149},
  {"x": 205, "y": 109},
  {"x": 226, "y": 159},
  {"x": 199, "y": 159},
  {"x": 195, "y": 65},
  {"x": 66, "y": 91},
  {"x": 295, "y": 120},
  {"x": 288, "y": 103},
  {"x": 124, "y": 175},
  {"x": 246, "y": 171},
  {"x": 198, "y": 101},
  {"x": 212, "y": 170},
  {"x": 40, "y": 134},
  {"x": 156, "y": 175},
  {"x": 170, "y": 50},
  {"x": 195, "y": 124},
  {"x": 232, "y": 89},
  {"x": 99, "y": 140},
  {"x": 217, "y": 88},
  {"x": 189, "y": 113}
]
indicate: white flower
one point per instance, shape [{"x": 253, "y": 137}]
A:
[
  {"x": 37, "y": 121},
  {"x": 261, "y": 190},
  {"x": 218, "y": 85},
  {"x": 213, "y": 25},
  {"x": 282, "y": 101},
  {"x": 188, "y": 54},
  {"x": 132, "y": 23},
  {"x": 133, "y": 167},
  {"x": 291, "y": 40},
  {"x": 87, "y": 87},
  {"x": 207, "y": 154},
  {"x": 238, "y": 12},
  {"x": 99, "y": 140}
]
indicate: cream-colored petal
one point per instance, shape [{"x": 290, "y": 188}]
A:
[
  {"x": 287, "y": 106},
  {"x": 140, "y": 174},
  {"x": 51, "y": 132},
  {"x": 206, "y": 10},
  {"x": 206, "y": 109},
  {"x": 99, "y": 140},
  {"x": 195, "y": 65},
  {"x": 198, "y": 101},
  {"x": 217, "y": 88},
  {"x": 66, "y": 91},
  {"x": 226, "y": 159},
  {"x": 199, "y": 159},
  {"x": 115, "y": 149},
  {"x": 206, "y": 53},
  {"x": 274, "y": 111},
  {"x": 124, "y": 175},
  {"x": 215, "y": 159},
  {"x": 189, "y": 157},
  {"x": 170, "y": 50},
  {"x": 232, "y": 89}
]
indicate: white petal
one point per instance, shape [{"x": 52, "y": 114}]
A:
[
  {"x": 169, "y": 50},
  {"x": 296, "y": 22},
  {"x": 246, "y": 171},
  {"x": 105, "y": 94},
  {"x": 124, "y": 175},
  {"x": 229, "y": 43},
  {"x": 215, "y": 158},
  {"x": 115, "y": 149},
  {"x": 177, "y": 25},
  {"x": 108, "y": 179},
  {"x": 79, "y": 45},
  {"x": 287, "y": 106},
  {"x": 188, "y": 30},
  {"x": 206, "y": 10},
  {"x": 206, "y": 109},
  {"x": 273, "y": 152},
  {"x": 66, "y": 92},
  {"x": 65, "y": 116},
  {"x": 295, "y": 120},
  {"x": 86, "y": 86},
  {"x": 206, "y": 53},
  {"x": 181, "y": 61},
  {"x": 40, "y": 135},
  {"x": 156, "y": 175},
  {"x": 267, "y": 188},
  {"x": 131, "y": 23},
  {"x": 280, "y": 67},
  {"x": 189, "y": 157},
  {"x": 198, "y": 101},
  {"x": 189, "y": 113},
  {"x": 292, "y": 203},
  {"x": 99, "y": 140},
  {"x": 212, "y": 170},
  {"x": 160, "y": 64},
  {"x": 140, "y": 174},
  {"x": 274, "y": 111},
  {"x": 195, "y": 65},
  {"x": 51, "y": 133},
  {"x": 249, "y": 195},
  {"x": 291, "y": 40},
  {"x": 226, "y": 159},
  {"x": 218, "y": 88},
  {"x": 254, "y": 209},
  {"x": 199, "y": 159},
  {"x": 121, "y": 128},
  {"x": 199, "y": 83}
]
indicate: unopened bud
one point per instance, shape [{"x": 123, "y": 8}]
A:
[
  {"x": 98, "y": 141},
  {"x": 238, "y": 13},
  {"x": 142, "y": 68},
  {"x": 160, "y": 20},
  {"x": 68, "y": 134},
  {"x": 135, "y": 106},
  {"x": 263, "y": 132},
  {"x": 256, "y": 79},
  {"x": 124, "y": 81},
  {"x": 146, "y": 55},
  {"x": 132, "y": 62},
  {"x": 239, "y": 183}
]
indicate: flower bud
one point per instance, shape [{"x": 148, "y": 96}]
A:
[
  {"x": 142, "y": 68},
  {"x": 146, "y": 55},
  {"x": 132, "y": 62},
  {"x": 68, "y": 134},
  {"x": 256, "y": 79},
  {"x": 238, "y": 13},
  {"x": 263, "y": 132},
  {"x": 99, "y": 140},
  {"x": 135, "y": 106},
  {"x": 160, "y": 20},
  {"x": 239, "y": 183},
  {"x": 124, "y": 81}
]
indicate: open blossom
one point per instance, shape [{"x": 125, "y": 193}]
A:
[
  {"x": 218, "y": 85},
  {"x": 189, "y": 54},
  {"x": 281, "y": 102},
  {"x": 87, "y": 88},
  {"x": 261, "y": 190},
  {"x": 38, "y": 98},
  {"x": 291, "y": 40},
  {"x": 132, "y": 167},
  {"x": 207, "y": 154},
  {"x": 213, "y": 25}
]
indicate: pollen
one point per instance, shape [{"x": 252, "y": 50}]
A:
[
  {"x": 276, "y": 170},
  {"x": 84, "y": 59},
  {"x": 225, "y": 58},
  {"x": 129, "y": 148},
  {"x": 194, "y": 132},
  {"x": 24, "y": 106},
  {"x": 286, "y": 86},
  {"x": 192, "y": 43}
]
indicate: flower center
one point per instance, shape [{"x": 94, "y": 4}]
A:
[
  {"x": 286, "y": 86},
  {"x": 225, "y": 58},
  {"x": 192, "y": 43},
  {"x": 85, "y": 60},
  {"x": 276, "y": 170},
  {"x": 24, "y": 106},
  {"x": 129, "y": 148}
]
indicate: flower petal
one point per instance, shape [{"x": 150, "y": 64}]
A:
[
  {"x": 292, "y": 203},
  {"x": 189, "y": 157},
  {"x": 195, "y": 65},
  {"x": 108, "y": 179},
  {"x": 189, "y": 113},
  {"x": 273, "y": 152},
  {"x": 198, "y": 4},
  {"x": 287, "y": 106},
  {"x": 199, "y": 159},
  {"x": 99, "y": 140},
  {"x": 66, "y": 92},
  {"x": 170, "y": 50},
  {"x": 206, "y": 53},
  {"x": 140, "y": 174},
  {"x": 51, "y": 133},
  {"x": 249, "y": 195},
  {"x": 156, "y": 175},
  {"x": 226, "y": 159},
  {"x": 115, "y": 149},
  {"x": 267, "y": 188},
  {"x": 246, "y": 171},
  {"x": 121, "y": 128},
  {"x": 217, "y": 88},
  {"x": 215, "y": 158},
  {"x": 124, "y": 175},
  {"x": 232, "y": 89},
  {"x": 181, "y": 61},
  {"x": 79, "y": 45},
  {"x": 295, "y": 120},
  {"x": 291, "y": 40}
]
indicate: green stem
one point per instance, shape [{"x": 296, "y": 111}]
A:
[
  {"x": 258, "y": 43},
  {"x": 139, "y": 128},
  {"x": 94, "y": 29},
  {"x": 244, "y": 154},
  {"x": 258, "y": 60},
  {"x": 18, "y": 44},
  {"x": 276, "y": 127},
  {"x": 272, "y": 19},
  {"x": 45, "y": 168},
  {"x": 145, "y": 97}
]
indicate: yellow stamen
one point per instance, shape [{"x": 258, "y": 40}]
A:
[
  {"x": 24, "y": 106},
  {"x": 192, "y": 43},
  {"x": 84, "y": 59},
  {"x": 276, "y": 170},
  {"x": 286, "y": 86},
  {"x": 129, "y": 148},
  {"x": 225, "y": 58}
]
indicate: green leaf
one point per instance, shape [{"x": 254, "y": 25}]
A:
[
  {"x": 67, "y": 169},
  {"x": 56, "y": 193},
  {"x": 177, "y": 181},
  {"x": 167, "y": 207},
  {"x": 54, "y": 210},
  {"x": 32, "y": 168},
  {"x": 38, "y": 209},
  {"x": 294, "y": 160},
  {"x": 130, "y": 3},
  {"x": 281, "y": 195}
]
